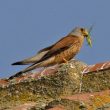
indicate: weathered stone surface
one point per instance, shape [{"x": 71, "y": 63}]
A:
[{"x": 48, "y": 88}]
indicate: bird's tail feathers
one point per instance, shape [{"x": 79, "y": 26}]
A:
[
  {"x": 34, "y": 66},
  {"x": 25, "y": 70},
  {"x": 18, "y": 63},
  {"x": 15, "y": 75}
]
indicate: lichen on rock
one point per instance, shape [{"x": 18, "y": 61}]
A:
[{"x": 56, "y": 82}]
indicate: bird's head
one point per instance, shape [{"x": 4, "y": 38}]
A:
[{"x": 82, "y": 32}]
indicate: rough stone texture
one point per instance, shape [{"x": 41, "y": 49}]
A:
[{"x": 55, "y": 88}]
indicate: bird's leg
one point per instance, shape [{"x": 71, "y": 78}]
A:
[{"x": 65, "y": 61}]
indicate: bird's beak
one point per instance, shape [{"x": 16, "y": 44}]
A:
[{"x": 88, "y": 38}]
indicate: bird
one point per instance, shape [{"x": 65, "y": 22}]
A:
[{"x": 60, "y": 52}]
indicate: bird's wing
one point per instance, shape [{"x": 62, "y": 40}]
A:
[
  {"x": 60, "y": 46},
  {"x": 35, "y": 58},
  {"x": 45, "y": 49},
  {"x": 47, "y": 52}
]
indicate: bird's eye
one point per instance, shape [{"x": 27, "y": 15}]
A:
[{"x": 82, "y": 30}]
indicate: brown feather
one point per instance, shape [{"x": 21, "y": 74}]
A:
[
  {"x": 66, "y": 48},
  {"x": 63, "y": 44}
]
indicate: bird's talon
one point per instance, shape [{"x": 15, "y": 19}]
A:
[{"x": 65, "y": 61}]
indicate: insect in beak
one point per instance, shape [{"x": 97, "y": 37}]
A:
[{"x": 88, "y": 37}]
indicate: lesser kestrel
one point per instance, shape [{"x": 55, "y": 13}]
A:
[{"x": 63, "y": 50}]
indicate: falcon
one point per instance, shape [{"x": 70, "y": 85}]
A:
[{"x": 60, "y": 52}]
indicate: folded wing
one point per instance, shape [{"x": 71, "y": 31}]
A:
[
  {"x": 35, "y": 58},
  {"x": 48, "y": 58},
  {"x": 59, "y": 47}
]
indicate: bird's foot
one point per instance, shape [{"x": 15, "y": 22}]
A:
[{"x": 65, "y": 61}]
